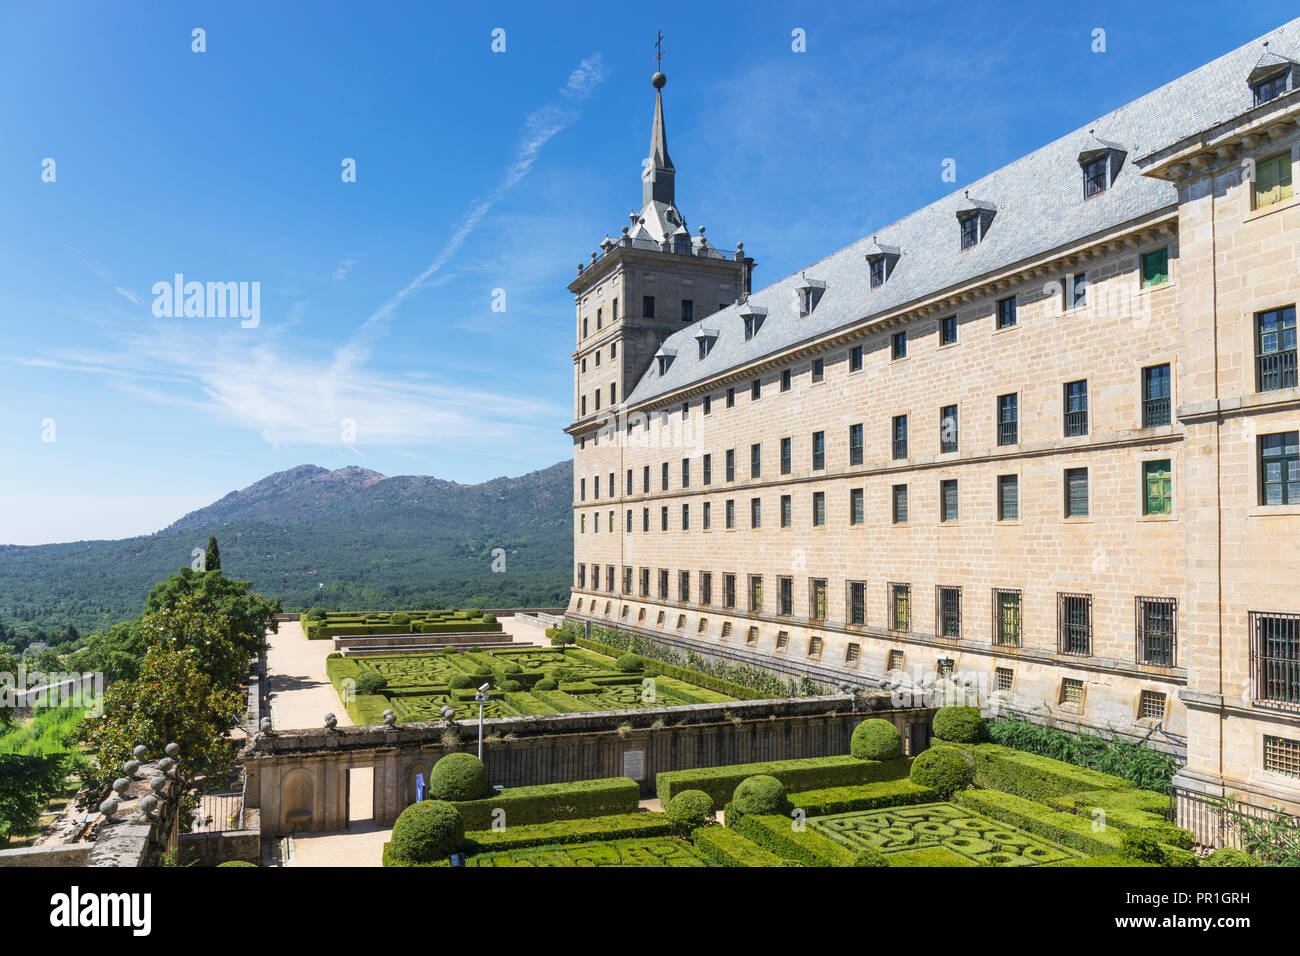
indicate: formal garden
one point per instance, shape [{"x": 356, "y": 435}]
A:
[
  {"x": 319, "y": 625},
  {"x": 963, "y": 802}
]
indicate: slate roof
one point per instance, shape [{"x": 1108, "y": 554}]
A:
[{"x": 1039, "y": 205}]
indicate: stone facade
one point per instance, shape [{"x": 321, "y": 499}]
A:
[{"x": 1131, "y": 590}]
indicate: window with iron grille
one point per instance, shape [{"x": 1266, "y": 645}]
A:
[
  {"x": 751, "y": 636},
  {"x": 970, "y": 230},
  {"x": 899, "y": 503},
  {"x": 706, "y": 588},
  {"x": 1155, "y": 396},
  {"x": 729, "y": 513},
  {"x": 645, "y": 582},
  {"x": 948, "y": 330},
  {"x": 945, "y": 667},
  {"x": 1157, "y": 487},
  {"x": 726, "y": 630},
  {"x": 681, "y": 621},
  {"x": 663, "y": 584},
  {"x": 627, "y": 579},
  {"x": 852, "y": 653},
  {"x": 895, "y": 662},
  {"x": 1074, "y": 624},
  {"x": 659, "y": 622},
  {"x": 756, "y": 512},
  {"x": 623, "y": 612},
  {"x": 755, "y": 461},
  {"x": 1157, "y": 630},
  {"x": 818, "y": 369},
  {"x": 947, "y": 605},
  {"x": 582, "y": 575},
  {"x": 817, "y": 599},
  {"x": 1076, "y": 492},
  {"x": 855, "y": 359},
  {"x": 786, "y": 516},
  {"x": 819, "y": 509},
  {"x": 756, "y": 592},
  {"x": 900, "y": 607},
  {"x": 899, "y": 431},
  {"x": 948, "y": 428},
  {"x": 1008, "y": 497},
  {"x": 1094, "y": 175},
  {"x": 1275, "y": 659},
  {"x": 731, "y": 464},
  {"x": 595, "y": 577},
  {"x": 1275, "y": 349},
  {"x": 1071, "y": 691},
  {"x": 815, "y": 647},
  {"x": 1008, "y": 419},
  {"x": 728, "y": 590},
  {"x": 684, "y": 586},
  {"x": 1151, "y": 704},
  {"x": 1006, "y": 312},
  {"x": 857, "y": 603},
  {"x": 785, "y": 456},
  {"x": 1279, "y": 468},
  {"x": 1003, "y": 678},
  {"x": 1076, "y": 408},
  {"x": 1273, "y": 179},
  {"x": 818, "y": 450},
  {"x": 785, "y": 596},
  {"x": 1282, "y": 755},
  {"x": 898, "y": 345},
  {"x": 782, "y": 640},
  {"x": 785, "y": 380},
  {"x": 1006, "y": 617},
  {"x": 948, "y": 500},
  {"x": 1155, "y": 267},
  {"x": 855, "y": 444},
  {"x": 1272, "y": 86},
  {"x": 856, "y": 505}
]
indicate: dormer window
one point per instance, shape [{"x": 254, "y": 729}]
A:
[
  {"x": 664, "y": 359},
  {"x": 877, "y": 273},
  {"x": 974, "y": 218},
  {"x": 1273, "y": 86},
  {"x": 1100, "y": 162},
  {"x": 1094, "y": 176},
  {"x": 807, "y": 306},
  {"x": 706, "y": 338},
  {"x": 970, "y": 230},
  {"x": 881, "y": 260},
  {"x": 752, "y": 316},
  {"x": 809, "y": 292}
]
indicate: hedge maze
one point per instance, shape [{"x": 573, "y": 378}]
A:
[{"x": 649, "y": 851}]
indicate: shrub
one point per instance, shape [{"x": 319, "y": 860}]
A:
[
  {"x": 727, "y": 847},
  {"x": 401, "y": 617},
  {"x": 760, "y": 794},
  {"x": 427, "y": 831},
  {"x": 510, "y": 667},
  {"x": 876, "y": 739},
  {"x": 962, "y": 725},
  {"x": 460, "y": 682},
  {"x": 1142, "y": 845},
  {"x": 511, "y": 686},
  {"x": 1227, "y": 856},
  {"x": 942, "y": 769},
  {"x": 553, "y": 801},
  {"x": 558, "y": 636},
  {"x": 1148, "y": 769},
  {"x": 316, "y": 614},
  {"x": 808, "y": 773},
  {"x": 870, "y": 856},
  {"x": 458, "y": 777},
  {"x": 628, "y": 664},
  {"x": 652, "y": 670},
  {"x": 371, "y": 682},
  {"x": 474, "y": 612},
  {"x": 691, "y": 809},
  {"x": 236, "y": 863},
  {"x": 775, "y": 835},
  {"x": 546, "y": 684},
  {"x": 489, "y": 618}
]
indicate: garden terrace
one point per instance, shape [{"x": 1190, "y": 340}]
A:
[{"x": 322, "y": 625}]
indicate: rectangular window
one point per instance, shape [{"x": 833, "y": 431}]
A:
[
  {"x": 1157, "y": 626},
  {"x": 1008, "y": 419},
  {"x": 856, "y": 505},
  {"x": 645, "y": 519},
  {"x": 1006, "y": 312},
  {"x": 786, "y": 519},
  {"x": 855, "y": 359},
  {"x": 663, "y": 477},
  {"x": 877, "y": 272},
  {"x": 663, "y": 518},
  {"x": 755, "y": 512},
  {"x": 645, "y": 582},
  {"x": 629, "y": 481},
  {"x": 582, "y": 489},
  {"x": 755, "y": 461},
  {"x": 708, "y": 515},
  {"x": 857, "y": 603},
  {"x": 731, "y": 464},
  {"x": 1275, "y": 659},
  {"x": 645, "y": 480},
  {"x": 751, "y": 636},
  {"x": 629, "y": 520},
  {"x": 900, "y": 607},
  {"x": 785, "y": 380},
  {"x": 899, "y": 503},
  {"x": 970, "y": 230},
  {"x": 582, "y": 575},
  {"x": 895, "y": 662},
  {"x": 855, "y": 444},
  {"x": 1076, "y": 492},
  {"x": 947, "y": 429},
  {"x": 648, "y": 306},
  {"x": 688, "y": 310},
  {"x": 1282, "y": 756},
  {"x": 1273, "y": 180},
  {"x": 785, "y": 596},
  {"x": 1155, "y": 396},
  {"x": 1003, "y": 678},
  {"x": 1074, "y": 624},
  {"x": 947, "y": 611},
  {"x": 1071, "y": 691},
  {"x": 595, "y": 577},
  {"x": 684, "y": 586},
  {"x": 1075, "y": 397},
  {"x": 1155, "y": 267},
  {"x": 1094, "y": 175},
  {"x": 948, "y": 510},
  {"x": 1279, "y": 468},
  {"x": 1008, "y": 497},
  {"x": 817, "y": 599},
  {"x": 818, "y": 451},
  {"x": 731, "y": 398},
  {"x": 1078, "y": 291},
  {"x": 1275, "y": 349},
  {"x": 899, "y": 432},
  {"x": 627, "y": 580},
  {"x": 1157, "y": 487},
  {"x": 686, "y": 472},
  {"x": 729, "y": 516},
  {"x": 663, "y": 587},
  {"x": 756, "y": 389},
  {"x": 728, "y": 590},
  {"x": 782, "y": 641},
  {"x": 708, "y": 469},
  {"x": 819, "y": 509},
  {"x": 898, "y": 345},
  {"x": 852, "y": 654},
  {"x": 706, "y": 588},
  {"x": 818, "y": 369},
  {"x": 948, "y": 330},
  {"x": 1006, "y": 617},
  {"x": 756, "y": 592},
  {"x": 785, "y": 456}
]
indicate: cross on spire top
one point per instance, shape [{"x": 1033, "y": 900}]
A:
[{"x": 659, "y": 49}]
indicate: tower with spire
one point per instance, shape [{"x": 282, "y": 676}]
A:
[{"x": 651, "y": 279}]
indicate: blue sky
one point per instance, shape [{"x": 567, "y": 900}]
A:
[{"x": 476, "y": 171}]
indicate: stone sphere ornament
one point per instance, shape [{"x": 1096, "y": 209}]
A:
[
  {"x": 141, "y": 751},
  {"x": 109, "y": 807},
  {"x": 130, "y": 767},
  {"x": 120, "y": 785},
  {"x": 331, "y": 721},
  {"x": 166, "y": 763},
  {"x": 172, "y": 749},
  {"x": 149, "y": 804},
  {"x": 264, "y": 725},
  {"x": 158, "y": 784}
]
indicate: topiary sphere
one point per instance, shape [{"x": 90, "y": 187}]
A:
[
  {"x": 943, "y": 769},
  {"x": 628, "y": 663},
  {"x": 428, "y": 831},
  {"x": 690, "y": 809},
  {"x": 961, "y": 725},
  {"x": 236, "y": 863},
  {"x": 760, "y": 794},
  {"x": 1227, "y": 856},
  {"x": 511, "y": 686},
  {"x": 870, "y": 856},
  {"x": 460, "y": 682},
  {"x": 876, "y": 739},
  {"x": 371, "y": 682},
  {"x": 489, "y": 618},
  {"x": 546, "y": 684},
  {"x": 458, "y": 777}
]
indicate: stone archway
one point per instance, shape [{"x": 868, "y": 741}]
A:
[{"x": 298, "y": 800}]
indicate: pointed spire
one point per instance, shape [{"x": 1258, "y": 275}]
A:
[{"x": 657, "y": 179}]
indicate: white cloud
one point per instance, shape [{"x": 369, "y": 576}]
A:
[{"x": 344, "y": 267}]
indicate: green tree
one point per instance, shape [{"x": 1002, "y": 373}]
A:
[
  {"x": 187, "y": 625},
  {"x": 116, "y": 652},
  {"x": 248, "y": 615},
  {"x": 212, "y": 559},
  {"x": 27, "y": 783}
]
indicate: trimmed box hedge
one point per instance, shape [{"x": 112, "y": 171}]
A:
[
  {"x": 871, "y": 796},
  {"x": 1031, "y": 776},
  {"x": 738, "y": 691},
  {"x": 810, "y": 773},
  {"x": 1067, "y": 829},
  {"x": 614, "y": 827},
  {"x": 727, "y": 847},
  {"x": 553, "y": 801},
  {"x": 778, "y": 835}
]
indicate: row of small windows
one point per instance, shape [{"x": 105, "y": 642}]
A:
[{"x": 647, "y": 311}]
